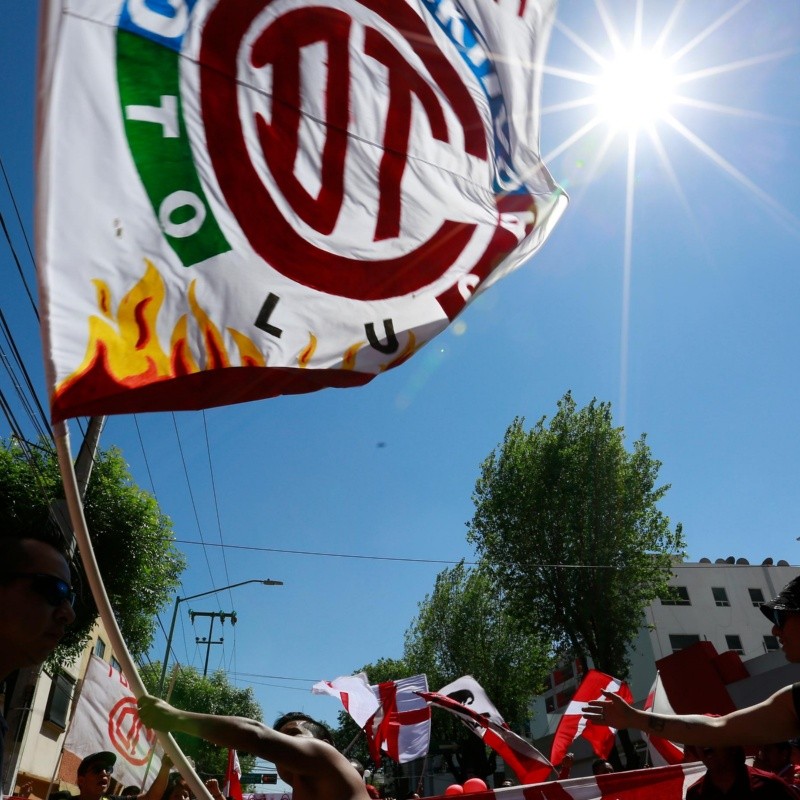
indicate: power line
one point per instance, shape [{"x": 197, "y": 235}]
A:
[{"x": 400, "y": 559}]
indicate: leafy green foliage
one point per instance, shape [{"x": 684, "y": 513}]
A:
[
  {"x": 567, "y": 522},
  {"x": 213, "y": 694},
  {"x": 131, "y": 537},
  {"x": 463, "y": 628}
]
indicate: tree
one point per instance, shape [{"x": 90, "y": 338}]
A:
[
  {"x": 463, "y": 628},
  {"x": 132, "y": 539},
  {"x": 210, "y": 695},
  {"x": 567, "y": 521}
]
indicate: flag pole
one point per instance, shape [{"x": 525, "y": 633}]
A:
[{"x": 75, "y": 506}]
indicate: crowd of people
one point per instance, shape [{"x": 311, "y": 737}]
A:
[{"x": 36, "y": 606}]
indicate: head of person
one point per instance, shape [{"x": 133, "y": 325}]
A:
[
  {"x": 601, "y": 767},
  {"x": 94, "y": 774},
  {"x": 295, "y": 723},
  {"x": 775, "y": 757},
  {"x": 177, "y": 788},
  {"x": 132, "y": 791},
  {"x": 717, "y": 759},
  {"x": 783, "y": 612},
  {"x": 36, "y": 598}
]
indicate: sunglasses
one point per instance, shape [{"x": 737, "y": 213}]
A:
[
  {"x": 99, "y": 769},
  {"x": 53, "y": 589}
]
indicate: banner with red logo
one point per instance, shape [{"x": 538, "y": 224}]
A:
[
  {"x": 243, "y": 198},
  {"x": 106, "y": 718}
]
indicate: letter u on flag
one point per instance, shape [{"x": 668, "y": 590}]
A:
[
  {"x": 573, "y": 724},
  {"x": 238, "y": 199}
]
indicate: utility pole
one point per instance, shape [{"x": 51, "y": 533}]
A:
[{"x": 223, "y": 615}]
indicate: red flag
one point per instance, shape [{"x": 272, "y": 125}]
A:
[
  {"x": 662, "y": 751},
  {"x": 528, "y": 764},
  {"x": 233, "y": 783},
  {"x": 573, "y": 724}
]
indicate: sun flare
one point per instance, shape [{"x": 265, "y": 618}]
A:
[{"x": 635, "y": 90}]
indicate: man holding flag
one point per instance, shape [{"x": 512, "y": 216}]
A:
[{"x": 300, "y": 747}]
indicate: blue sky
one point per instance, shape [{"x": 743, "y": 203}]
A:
[{"x": 707, "y": 364}]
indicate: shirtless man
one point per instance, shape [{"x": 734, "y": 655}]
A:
[
  {"x": 777, "y": 718},
  {"x": 300, "y": 747}
]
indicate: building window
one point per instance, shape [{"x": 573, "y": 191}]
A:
[
  {"x": 676, "y": 596},
  {"x": 756, "y": 597},
  {"x": 57, "y": 709},
  {"x": 563, "y": 698},
  {"x": 734, "y": 642},
  {"x": 771, "y": 644},
  {"x": 99, "y": 648},
  {"x": 550, "y": 704},
  {"x": 677, "y": 641},
  {"x": 114, "y": 663},
  {"x": 720, "y": 595}
]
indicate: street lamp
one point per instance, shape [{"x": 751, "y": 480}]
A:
[{"x": 179, "y": 600}]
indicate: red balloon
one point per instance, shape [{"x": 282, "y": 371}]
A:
[
  {"x": 472, "y": 785},
  {"x": 453, "y": 788}
]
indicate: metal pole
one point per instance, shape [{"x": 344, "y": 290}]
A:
[
  {"x": 178, "y": 600},
  {"x": 208, "y": 646}
]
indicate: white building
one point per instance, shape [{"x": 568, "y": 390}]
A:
[{"x": 715, "y": 602}]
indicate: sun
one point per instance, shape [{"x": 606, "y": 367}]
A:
[{"x": 635, "y": 90}]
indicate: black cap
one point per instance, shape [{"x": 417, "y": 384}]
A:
[
  {"x": 103, "y": 758},
  {"x": 787, "y": 600}
]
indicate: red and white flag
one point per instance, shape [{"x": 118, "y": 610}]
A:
[
  {"x": 233, "y": 777},
  {"x": 573, "y": 724},
  {"x": 661, "y": 783},
  {"x": 528, "y": 764},
  {"x": 467, "y": 691},
  {"x": 395, "y": 719},
  {"x": 343, "y": 178},
  {"x": 401, "y": 727},
  {"x": 355, "y": 693},
  {"x": 662, "y": 751},
  {"x": 106, "y": 718}
]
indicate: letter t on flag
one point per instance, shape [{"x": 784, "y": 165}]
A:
[{"x": 573, "y": 724}]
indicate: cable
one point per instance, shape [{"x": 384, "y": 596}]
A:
[{"x": 377, "y": 558}]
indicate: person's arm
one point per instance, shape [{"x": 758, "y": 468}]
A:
[
  {"x": 212, "y": 784},
  {"x": 773, "y": 720},
  {"x": 159, "y": 785},
  {"x": 299, "y": 754}
]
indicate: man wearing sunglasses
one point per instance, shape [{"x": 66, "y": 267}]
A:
[
  {"x": 777, "y": 718},
  {"x": 35, "y": 604},
  {"x": 95, "y": 773}
]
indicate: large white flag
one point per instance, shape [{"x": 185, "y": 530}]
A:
[
  {"x": 358, "y": 698},
  {"x": 243, "y": 198},
  {"x": 106, "y": 718},
  {"x": 395, "y": 719}
]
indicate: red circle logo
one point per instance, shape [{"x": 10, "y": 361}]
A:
[
  {"x": 338, "y": 140},
  {"x": 129, "y": 737}
]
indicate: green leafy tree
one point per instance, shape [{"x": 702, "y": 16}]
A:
[
  {"x": 567, "y": 521},
  {"x": 463, "y": 628},
  {"x": 132, "y": 539},
  {"x": 213, "y": 694}
]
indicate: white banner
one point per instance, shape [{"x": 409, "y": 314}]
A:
[{"x": 106, "y": 718}]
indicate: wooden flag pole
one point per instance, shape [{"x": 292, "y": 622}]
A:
[{"x": 75, "y": 506}]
